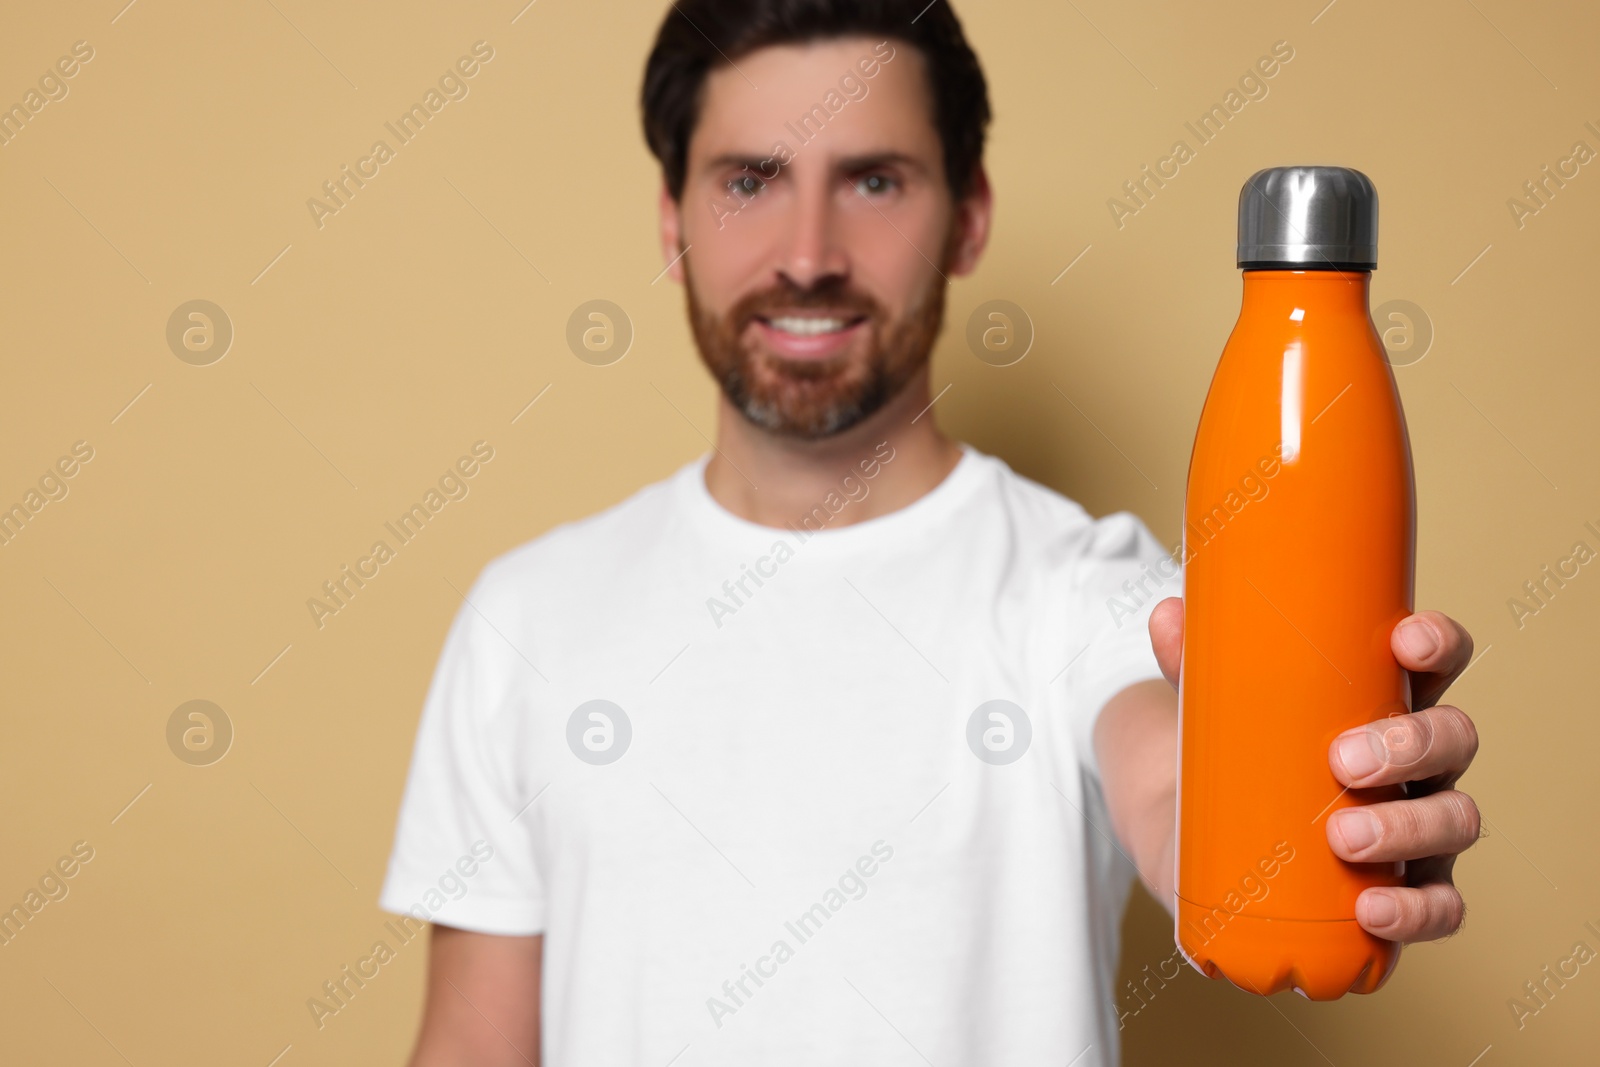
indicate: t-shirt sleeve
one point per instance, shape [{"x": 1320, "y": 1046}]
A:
[
  {"x": 462, "y": 855},
  {"x": 1121, "y": 576}
]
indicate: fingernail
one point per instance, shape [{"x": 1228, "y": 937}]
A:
[
  {"x": 1362, "y": 752},
  {"x": 1357, "y": 828},
  {"x": 1419, "y": 639},
  {"x": 1381, "y": 909}
]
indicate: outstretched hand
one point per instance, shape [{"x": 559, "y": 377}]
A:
[{"x": 1428, "y": 750}]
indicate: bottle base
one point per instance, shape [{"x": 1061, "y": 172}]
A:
[{"x": 1319, "y": 959}]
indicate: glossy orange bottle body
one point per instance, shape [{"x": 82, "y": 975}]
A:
[{"x": 1299, "y": 547}]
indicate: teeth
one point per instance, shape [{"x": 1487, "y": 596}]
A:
[{"x": 807, "y": 327}]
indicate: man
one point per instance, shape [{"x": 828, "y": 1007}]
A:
[{"x": 813, "y": 752}]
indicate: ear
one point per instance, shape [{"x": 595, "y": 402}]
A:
[
  {"x": 974, "y": 213},
  {"x": 671, "y": 235}
]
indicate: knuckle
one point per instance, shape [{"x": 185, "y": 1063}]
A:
[
  {"x": 1448, "y": 910},
  {"x": 1468, "y": 731},
  {"x": 1407, "y": 740},
  {"x": 1456, "y": 735},
  {"x": 1433, "y": 825},
  {"x": 1410, "y": 821},
  {"x": 1464, "y": 816}
]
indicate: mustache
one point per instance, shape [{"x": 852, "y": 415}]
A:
[{"x": 830, "y": 294}]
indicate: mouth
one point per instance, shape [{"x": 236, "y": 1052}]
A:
[{"x": 809, "y": 336}]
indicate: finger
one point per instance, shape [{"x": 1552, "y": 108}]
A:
[
  {"x": 1425, "y": 913},
  {"x": 1434, "y": 745},
  {"x": 1439, "y": 824},
  {"x": 1435, "y": 649},
  {"x": 1166, "y": 636}
]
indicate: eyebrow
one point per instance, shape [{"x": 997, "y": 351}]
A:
[
  {"x": 852, "y": 164},
  {"x": 736, "y": 159},
  {"x": 847, "y": 165}
]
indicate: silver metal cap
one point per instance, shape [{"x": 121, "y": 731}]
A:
[{"x": 1308, "y": 218}]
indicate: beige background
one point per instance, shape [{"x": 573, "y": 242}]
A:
[{"x": 432, "y": 309}]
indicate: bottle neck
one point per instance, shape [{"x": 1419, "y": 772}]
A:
[{"x": 1325, "y": 292}]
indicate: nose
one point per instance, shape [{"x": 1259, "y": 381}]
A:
[{"x": 814, "y": 248}]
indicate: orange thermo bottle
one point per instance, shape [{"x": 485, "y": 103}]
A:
[{"x": 1298, "y": 546}]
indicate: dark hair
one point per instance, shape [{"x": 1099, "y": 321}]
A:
[{"x": 700, "y": 34}]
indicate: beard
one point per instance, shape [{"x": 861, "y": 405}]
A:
[{"x": 813, "y": 399}]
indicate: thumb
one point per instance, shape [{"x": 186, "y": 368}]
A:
[{"x": 1166, "y": 636}]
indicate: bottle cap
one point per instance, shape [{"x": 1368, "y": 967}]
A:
[{"x": 1308, "y": 218}]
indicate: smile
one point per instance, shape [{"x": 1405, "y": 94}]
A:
[
  {"x": 809, "y": 326},
  {"x": 809, "y": 337}
]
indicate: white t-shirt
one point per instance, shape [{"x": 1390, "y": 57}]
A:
[{"x": 776, "y": 819}]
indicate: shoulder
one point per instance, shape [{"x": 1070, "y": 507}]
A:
[
  {"x": 581, "y": 550},
  {"x": 1060, "y": 528}
]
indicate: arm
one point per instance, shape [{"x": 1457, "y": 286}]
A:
[
  {"x": 1136, "y": 745},
  {"x": 482, "y": 1001}
]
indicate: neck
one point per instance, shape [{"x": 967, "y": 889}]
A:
[{"x": 774, "y": 480}]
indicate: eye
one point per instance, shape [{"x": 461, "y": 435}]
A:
[
  {"x": 875, "y": 185},
  {"x": 746, "y": 186}
]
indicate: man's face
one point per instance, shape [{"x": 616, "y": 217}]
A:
[{"x": 821, "y": 231}]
